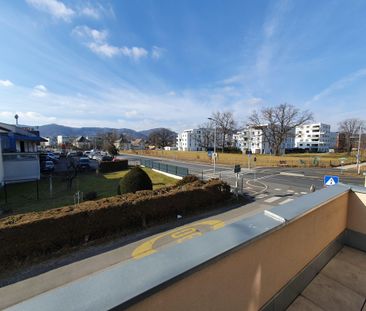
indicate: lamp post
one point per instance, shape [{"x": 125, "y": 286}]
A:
[
  {"x": 214, "y": 153},
  {"x": 358, "y": 152}
]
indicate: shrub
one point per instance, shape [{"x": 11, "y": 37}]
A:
[
  {"x": 135, "y": 180},
  {"x": 113, "y": 166},
  {"x": 187, "y": 180},
  {"x": 89, "y": 196}
]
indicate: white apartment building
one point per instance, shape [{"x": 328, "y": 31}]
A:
[
  {"x": 252, "y": 139},
  {"x": 314, "y": 137},
  {"x": 63, "y": 140},
  {"x": 190, "y": 140}
]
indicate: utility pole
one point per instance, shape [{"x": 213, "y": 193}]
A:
[
  {"x": 358, "y": 152},
  {"x": 214, "y": 153}
]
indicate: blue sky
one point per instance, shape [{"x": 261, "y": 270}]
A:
[{"x": 144, "y": 64}]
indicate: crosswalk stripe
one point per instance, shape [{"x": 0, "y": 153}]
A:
[
  {"x": 303, "y": 192},
  {"x": 291, "y": 191},
  {"x": 286, "y": 201},
  {"x": 278, "y": 189},
  {"x": 272, "y": 199}
]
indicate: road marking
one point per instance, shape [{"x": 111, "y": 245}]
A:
[
  {"x": 261, "y": 196},
  {"x": 286, "y": 201},
  {"x": 272, "y": 199},
  {"x": 296, "y": 193},
  {"x": 303, "y": 192},
  {"x": 278, "y": 189},
  {"x": 291, "y": 191},
  {"x": 292, "y": 174},
  {"x": 179, "y": 235}
]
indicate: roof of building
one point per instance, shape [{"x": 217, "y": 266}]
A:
[
  {"x": 82, "y": 139},
  {"x": 20, "y": 133}
]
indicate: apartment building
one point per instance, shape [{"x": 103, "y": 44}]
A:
[
  {"x": 191, "y": 140},
  {"x": 63, "y": 140},
  {"x": 252, "y": 139},
  {"x": 314, "y": 137}
]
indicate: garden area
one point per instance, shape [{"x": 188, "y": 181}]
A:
[
  {"x": 22, "y": 197},
  {"x": 292, "y": 160}
]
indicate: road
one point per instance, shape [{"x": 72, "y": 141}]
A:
[{"x": 271, "y": 185}]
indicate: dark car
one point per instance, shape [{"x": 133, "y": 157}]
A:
[
  {"x": 47, "y": 166},
  {"x": 105, "y": 158},
  {"x": 84, "y": 163}
]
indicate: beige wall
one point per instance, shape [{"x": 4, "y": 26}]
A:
[
  {"x": 249, "y": 277},
  {"x": 357, "y": 212}
]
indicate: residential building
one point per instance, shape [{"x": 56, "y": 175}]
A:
[
  {"x": 18, "y": 154},
  {"x": 314, "y": 137},
  {"x": 252, "y": 139},
  {"x": 122, "y": 144},
  {"x": 200, "y": 139},
  {"x": 82, "y": 142},
  {"x": 63, "y": 140},
  {"x": 49, "y": 142}
]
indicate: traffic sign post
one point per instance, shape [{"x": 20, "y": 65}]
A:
[{"x": 330, "y": 180}]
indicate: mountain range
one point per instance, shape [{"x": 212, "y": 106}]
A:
[{"x": 51, "y": 130}]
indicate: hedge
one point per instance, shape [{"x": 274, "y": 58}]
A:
[
  {"x": 113, "y": 166},
  {"x": 38, "y": 233}
]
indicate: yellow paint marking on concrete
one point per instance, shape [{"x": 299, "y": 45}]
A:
[{"x": 180, "y": 235}]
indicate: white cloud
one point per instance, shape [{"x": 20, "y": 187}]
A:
[
  {"x": 39, "y": 91},
  {"x": 338, "y": 85},
  {"x": 134, "y": 52},
  {"x": 96, "y": 41},
  {"x": 85, "y": 32},
  {"x": 54, "y": 7},
  {"x": 104, "y": 49},
  {"x": 6, "y": 83},
  {"x": 157, "y": 52},
  {"x": 90, "y": 12}
]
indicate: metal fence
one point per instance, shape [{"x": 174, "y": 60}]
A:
[{"x": 171, "y": 169}]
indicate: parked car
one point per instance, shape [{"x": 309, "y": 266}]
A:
[
  {"x": 47, "y": 166},
  {"x": 71, "y": 154},
  {"x": 106, "y": 158},
  {"x": 83, "y": 164}
]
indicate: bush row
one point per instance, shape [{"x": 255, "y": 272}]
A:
[
  {"x": 25, "y": 235},
  {"x": 113, "y": 166}
]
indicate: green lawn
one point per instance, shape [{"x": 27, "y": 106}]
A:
[{"x": 22, "y": 197}]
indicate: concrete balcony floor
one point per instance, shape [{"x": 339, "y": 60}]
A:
[{"x": 340, "y": 285}]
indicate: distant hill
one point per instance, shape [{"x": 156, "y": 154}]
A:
[{"x": 55, "y": 129}]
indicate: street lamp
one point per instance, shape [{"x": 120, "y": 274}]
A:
[
  {"x": 358, "y": 152},
  {"x": 214, "y": 154}
]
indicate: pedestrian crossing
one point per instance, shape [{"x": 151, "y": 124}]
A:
[{"x": 279, "y": 196}]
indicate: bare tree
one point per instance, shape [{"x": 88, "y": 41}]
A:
[
  {"x": 350, "y": 129},
  {"x": 162, "y": 137},
  {"x": 108, "y": 141},
  {"x": 206, "y": 139},
  {"x": 225, "y": 124},
  {"x": 277, "y": 123}
]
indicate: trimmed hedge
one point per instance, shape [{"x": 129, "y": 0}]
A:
[
  {"x": 26, "y": 235},
  {"x": 113, "y": 166},
  {"x": 135, "y": 180}
]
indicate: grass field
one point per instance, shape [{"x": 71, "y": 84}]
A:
[
  {"x": 23, "y": 197},
  {"x": 293, "y": 160}
]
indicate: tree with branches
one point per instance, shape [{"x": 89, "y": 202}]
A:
[
  {"x": 350, "y": 129},
  {"x": 206, "y": 138},
  {"x": 225, "y": 124},
  {"x": 162, "y": 137},
  {"x": 277, "y": 123}
]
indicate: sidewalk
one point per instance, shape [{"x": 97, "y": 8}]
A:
[{"x": 350, "y": 166}]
